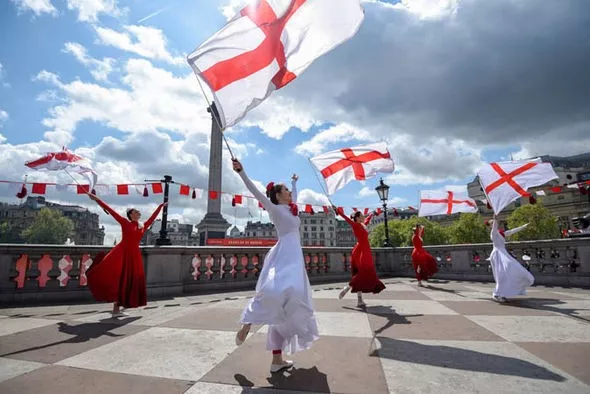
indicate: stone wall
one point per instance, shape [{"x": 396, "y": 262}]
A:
[{"x": 51, "y": 274}]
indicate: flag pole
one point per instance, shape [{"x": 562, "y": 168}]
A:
[
  {"x": 319, "y": 181},
  {"x": 216, "y": 119}
]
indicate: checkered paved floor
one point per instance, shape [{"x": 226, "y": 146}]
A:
[{"x": 446, "y": 338}]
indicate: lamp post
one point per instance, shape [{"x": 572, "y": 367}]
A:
[
  {"x": 163, "y": 238},
  {"x": 383, "y": 192}
]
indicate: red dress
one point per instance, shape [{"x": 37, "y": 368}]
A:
[
  {"x": 364, "y": 276},
  {"x": 119, "y": 276},
  {"x": 421, "y": 258}
]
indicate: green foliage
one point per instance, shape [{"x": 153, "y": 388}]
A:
[
  {"x": 401, "y": 231},
  {"x": 542, "y": 224},
  {"x": 49, "y": 227},
  {"x": 7, "y": 234},
  {"x": 468, "y": 229}
]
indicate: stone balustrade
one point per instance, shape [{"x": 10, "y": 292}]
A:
[{"x": 46, "y": 273}]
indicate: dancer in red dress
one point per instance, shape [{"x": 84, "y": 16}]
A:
[
  {"x": 423, "y": 262},
  {"x": 364, "y": 276},
  {"x": 119, "y": 277}
]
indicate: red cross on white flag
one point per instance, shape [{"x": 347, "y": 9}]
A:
[
  {"x": 440, "y": 202},
  {"x": 505, "y": 182},
  {"x": 360, "y": 162},
  {"x": 267, "y": 45}
]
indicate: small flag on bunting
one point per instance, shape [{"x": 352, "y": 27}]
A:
[
  {"x": 122, "y": 189},
  {"x": 157, "y": 188},
  {"x": 185, "y": 190},
  {"x": 39, "y": 188}
]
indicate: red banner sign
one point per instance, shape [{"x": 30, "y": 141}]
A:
[{"x": 241, "y": 242}]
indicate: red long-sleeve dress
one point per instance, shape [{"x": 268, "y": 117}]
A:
[
  {"x": 364, "y": 276},
  {"x": 421, "y": 258},
  {"x": 119, "y": 275}
]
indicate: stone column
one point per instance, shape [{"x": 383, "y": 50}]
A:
[{"x": 213, "y": 224}]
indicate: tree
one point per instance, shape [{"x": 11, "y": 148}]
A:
[
  {"x": 468, "y": 229},
  {"x": 49, "y": 227},
  {"x": 401, "y": 231},
  {"x": 7, "y": 234},
  {"x": 542, "y": 224}
]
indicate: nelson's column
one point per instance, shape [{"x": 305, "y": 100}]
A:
[{"x": 213, "y": 224}]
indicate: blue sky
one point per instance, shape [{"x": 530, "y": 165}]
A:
[{"x": 108, "y": 79}]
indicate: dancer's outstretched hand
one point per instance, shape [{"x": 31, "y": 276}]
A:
[
  {"x": 237, "y": 165},
  {"x": 294, "y": 177}
]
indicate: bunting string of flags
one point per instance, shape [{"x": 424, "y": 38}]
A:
[{"x": 145, "y": 189}]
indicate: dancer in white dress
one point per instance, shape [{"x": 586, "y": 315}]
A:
[
  {"x": 283, "y": 297},
  {"x": 511, "y": 277}
]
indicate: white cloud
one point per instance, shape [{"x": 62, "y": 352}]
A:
[
  {"x": 145, "y": 41},
  {"x": 38, "y": 7},
  {"x": 2, "y": 75},
  {"x": 231, "y": 8},
  {"x": 432, "y": 160},
  {"x": 309, "y": 196},
  {"x": 47, "y": 76},
  {"x": 100, "y": 69},
  {"x": 3, "y": 117},
  {"x": 424, "y": 9},
  {"x": 338, "y": 134},
  {"x": 367, "y": 192},
  {"x": 89, "y": 10},
  {"x": 151, "y": 99}
]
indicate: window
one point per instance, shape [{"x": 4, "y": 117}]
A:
[
  {"x": 321, "y": 229},
  {"x": 305, "y": 228},
  {"x": 313, "y": 221},
  {"x": 322, "y": 236},
  {"x": 313, "y": 229}
]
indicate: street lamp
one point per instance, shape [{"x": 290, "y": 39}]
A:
[
  {"x": 383, "y": 192},
  {"x": 163, "y": 239}
]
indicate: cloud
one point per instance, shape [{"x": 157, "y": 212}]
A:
[
  {"x": 489, "y": 74},
  {"x": 89, "y": 10},
  {"x": 231, "y": 8},
  {"x": 337, "y": 134},
  {"x": 2, "y": 76},
  {"x": 423, "y": 9},
  {"x": 38, "y": 7},
  {"x": 309, "y": 196},
  {"x": 100, "y": 69},
  {"x": 144, "y": 41},
  {"x": 3, "y": 118},
  {"x": 151, "y": 98}
]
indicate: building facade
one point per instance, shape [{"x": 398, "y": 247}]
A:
[
  {"x": 87, "y": 229},
  {"x": 179, "y": 233},
  {"x": 318, "y": 229}
]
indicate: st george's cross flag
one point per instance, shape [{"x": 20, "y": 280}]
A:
[
  {"x": 441, "y": 202},
  {"x": 341, "y": 166},
  {"x": 507, "y": 181},
  {"x": 267, "y": 45},
  {"x": 65, "y": 160}
]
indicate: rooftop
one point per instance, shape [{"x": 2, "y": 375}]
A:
[{"x": 446, "y": 338}]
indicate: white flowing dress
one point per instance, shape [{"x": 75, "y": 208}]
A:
[
  {"x": 283, "y": 297},
  {"x": 511, "y": 277}
]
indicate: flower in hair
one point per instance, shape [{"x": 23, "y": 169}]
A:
[{"x": 269, "y": 187}]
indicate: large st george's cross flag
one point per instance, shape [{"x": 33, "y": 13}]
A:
[
  {"x": 267, "y": 45},
  {"x": 342, "y": 166}
]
